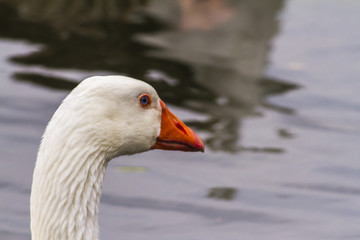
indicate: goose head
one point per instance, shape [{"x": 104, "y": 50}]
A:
[{"x": 123, "y": 116}]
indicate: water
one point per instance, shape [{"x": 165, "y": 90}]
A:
[{"x": 271, "y": 87}]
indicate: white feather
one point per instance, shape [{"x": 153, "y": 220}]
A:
[{"x": 99, "y": 120}]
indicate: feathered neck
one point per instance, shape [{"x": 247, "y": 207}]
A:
[{"x": 67, "y": 184}]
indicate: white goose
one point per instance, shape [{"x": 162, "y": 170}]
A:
[{"x": 102, "y": 118}]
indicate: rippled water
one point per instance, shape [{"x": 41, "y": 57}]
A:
[{"x": 271, "y": 87}]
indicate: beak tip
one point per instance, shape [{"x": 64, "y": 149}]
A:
[{"x": 201, "y": 145}]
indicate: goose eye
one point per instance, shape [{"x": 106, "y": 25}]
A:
[{"x": 145, "y": 100}]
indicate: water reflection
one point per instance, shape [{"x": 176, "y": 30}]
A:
[
  {"x": 224, "y": 193},
  {"x": 215, "y": 52},
  {"x": 217, "y": 215}
]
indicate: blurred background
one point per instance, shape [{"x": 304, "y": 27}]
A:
[{"x": 271, "y": 86}]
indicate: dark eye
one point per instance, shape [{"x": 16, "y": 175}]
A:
[{"x": 145, "y": 100}]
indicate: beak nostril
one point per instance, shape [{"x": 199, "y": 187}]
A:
[{"x": 181, "y": 128}]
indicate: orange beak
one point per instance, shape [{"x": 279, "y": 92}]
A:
[{"x": 175, "y": 135}]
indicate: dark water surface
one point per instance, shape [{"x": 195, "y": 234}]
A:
[{"x": 272, "y": 87}]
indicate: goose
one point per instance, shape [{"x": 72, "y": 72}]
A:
[{"x": 102, "y": 118}]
